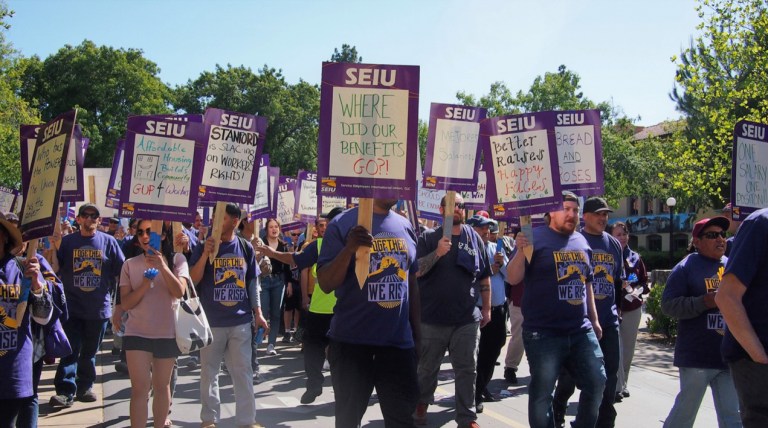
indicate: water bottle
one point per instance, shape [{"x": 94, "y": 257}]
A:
[
  {"x": 123, "y": 319},
  {"x": 259, "y": 335}
]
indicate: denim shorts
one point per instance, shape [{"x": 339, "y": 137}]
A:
[{"x": 159, "y": 348}]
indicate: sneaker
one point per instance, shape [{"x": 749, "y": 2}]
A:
[
  {"x": 420, "y": 416},
  {"x": 192, "y": 362},
  {"x": 271, "y": 350},
  {"x": 326, "y": 366},
  {"x": 309, "y": 396},
  {"x": 208, "y": 425},
  {"x": 87, "y": 397},
  {"x": 121, "y": 367},
  {"x": 510, "y": 375},
  {"x": 619, "y": 398},
  {"x": 479, "y": 407},
  {"x": 287, "y": 337},
  {"x": 625, "y": 393},
  {"x": 472, "y": 424},
  {"x": 61, "y": 400}
]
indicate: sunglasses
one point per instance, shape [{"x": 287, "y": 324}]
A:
[
  {"x": 93, "y": 216},
  {"x": 714, "y": 235},
  {"x": 142, "y": 232},
  {"x": 459, "y": 205}
]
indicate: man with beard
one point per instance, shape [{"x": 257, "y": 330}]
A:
[
  {"x": 560, "y": 324},
  {"x": 375, "y": 326},
  {"x": 89, "y": 262},
  {"x": 453, "y": 272}
]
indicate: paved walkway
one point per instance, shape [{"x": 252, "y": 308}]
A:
[{"x": 653, "y": 384}]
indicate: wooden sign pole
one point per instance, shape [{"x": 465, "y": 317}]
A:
[
  {"x": 448, "y": 210},
  {"x": 218, "y": 219},
  {"x": 176, "y": 226},
  {"x": 525, "y": 227},
  {"x": 363, "y": 255}
]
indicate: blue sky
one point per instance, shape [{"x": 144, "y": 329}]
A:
[{"x": 620, "y": 49}]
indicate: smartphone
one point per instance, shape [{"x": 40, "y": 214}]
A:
[{"x": 154, "y": 241}]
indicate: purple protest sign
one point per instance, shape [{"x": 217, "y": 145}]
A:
[
  {"x": 234, "y": 146},
  {"x": 41, "y": 198},
  {"x": 165, "y": 158},
  {"x": 27, "y": 141},
  {"x": 453, "y": 150},
  {"x": 305, "y": 206},
  {"x": 7, "y": 198},
  {"x": 73, "y": 187},
  {"x": 286, "y": 201},
  {"x": 368, "y": 136},
  {"x": 261, "y": 206},
  {"x": 476, "y": 198},
  {"x": 749, "y": 170},
  {"x": 579, "y": 150},
  {"x": 520, "y": 158},
  {"x": 428, "y": 203},
  {"x": 116, "y": 177}
]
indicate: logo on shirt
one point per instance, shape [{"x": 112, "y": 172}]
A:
[
  {"x": 715, "y": 320},
  {"x": 602, "y": 279},
  {"x": 9, "y": 299},
  {"x": 229, "y": 280},
  {"x": 387, "y": 283},
  {"x": 572, "y": 268},
  {"x": 86, "y": 270}
]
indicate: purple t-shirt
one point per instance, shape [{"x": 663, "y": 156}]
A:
[
  {"x": 88, "y": 268},
  {"x": 224, "y": 286},
  {"x": 378, "y": 312},
  {"x": 554, "y": 301},
  {"x": 699, "y": 338},
  {"x": 749, "y": 262},
  {"x": 608, "y": 274},
  {"x": 308, "y": 257},
  {"x": 15, "y": 341}
]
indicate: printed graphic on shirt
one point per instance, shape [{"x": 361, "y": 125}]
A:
[
  {"x": 602, "y": 279},
  {"x": 715, "y": 320},
  {"x": 572, "y": 269},
  {"x": 229, "y": 280},
  {"x": 388, "y": 278},
  {"x": 9, "y": 296},
  {"x": 87, "y": 268}
]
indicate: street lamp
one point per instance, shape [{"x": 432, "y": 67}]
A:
[{"x": 671, "y": 202}]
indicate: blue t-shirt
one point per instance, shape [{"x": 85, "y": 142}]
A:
[
  {"x": 88, "y": 268},
  {"x": 448, "y": 291},
  {"x": 607, "y": 277},
  {"x": 224, "y": 287},
  {"x": 749, "y": 262},
  {"x": 698, "y": 338},
  {"x": 308, "y": 257},
  {"x": 378, "y": 312},
  {"x": 498, "y": 295},
  {"x": 554, "y": 300}
]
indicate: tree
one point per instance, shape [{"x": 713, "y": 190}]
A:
[
  {"x": 14, "y": 110},
  {"x": 347, "y": 54},
  {"x": 292, "y": 110},
  {"x": 721, "y": 79},
  {"x": 105, "y": 83}
]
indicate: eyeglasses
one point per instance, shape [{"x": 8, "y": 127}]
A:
[
  {"x": 92, "y": 215},
  {"x": 142, "y": 232},
  {"x": 714, "y": 235}
]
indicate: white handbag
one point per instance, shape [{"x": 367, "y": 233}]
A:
[{"x": 192, "y": 329}]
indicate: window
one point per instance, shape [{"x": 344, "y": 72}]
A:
[
  {"x": 648, "y": 206},
  {"x": 634, "y": 206},
  {"x": 632, "y": 241},
  {"x": 680, "y": 241},
  {"x": 654, "y": 242}
]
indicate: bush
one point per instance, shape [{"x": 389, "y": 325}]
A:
[
  {"x": 659, "y": 323},
  {"x": 660, "y": 259}
]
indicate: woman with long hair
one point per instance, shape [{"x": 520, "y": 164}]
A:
[
  {"x": 150, "y": 283},
  {"x": 629, "y": 304},
  {"x": 273, "y": 286}
]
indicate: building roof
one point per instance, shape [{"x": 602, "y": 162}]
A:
[{"x": 658, "y": 130}]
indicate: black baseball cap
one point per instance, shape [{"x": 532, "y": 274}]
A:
[
  {"x": 91, "y": 207},
  {"x": 596, "y": 205}
]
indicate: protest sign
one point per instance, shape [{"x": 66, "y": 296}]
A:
[
  {"x": 165, "y": 158},
  {"x": 305, "y": 208},
  {"x": 72, "y": 189},
  {"x": 749, "y": 171},
  {"x": 476, "y": 198},
  {"x": 521, "y": 162},
  {"x": 235, "y": 143},
  {"x": 327, "y": 203},
  {"x": 261, "y": 206},
  {"x": 41, "y": 197},
  {"x": 28, "y": 139},
  {"x": 7, "y": 199},
  {"x": 579, "y": 150},
  {"x": 116, "y": 177},
  {"x": 428, "y": 203},
  {"x": 286, "y": 202},
  {"x": 453, "y": 151},
  {"x": 367, "y": 141}
]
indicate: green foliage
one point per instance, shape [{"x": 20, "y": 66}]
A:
[
  {"x": 347, "y": 54},
  {"x": 14, "y": 110},
  {"x": 659, "y": 323},
  {"x": 107, "y": 84},
  {"x": 660, "y": 259},
  {"x": 292, "y": 110},
  {"x": 721, "y": 78}
]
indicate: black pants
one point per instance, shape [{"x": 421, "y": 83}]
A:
[
  {"x": 315, "y": 341},
  {"x": 357, "y": 369},
  {"x": 492, "y": 338},
  {"x": 751, "y": 381}
]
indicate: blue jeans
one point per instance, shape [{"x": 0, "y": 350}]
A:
[
  {"x": 580, "y": 354},
  {"x": 693, "y": 385},
  {"x": 77, "y": 372},
  {"x": 272, "y": 291}
]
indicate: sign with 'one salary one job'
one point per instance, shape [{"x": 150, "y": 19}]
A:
[
  {"x": 162, "y": 164},
  {"x": 749, "y": 171},
  {"x": 368, "y": 136},
  {"x": 453, "y": 152}
]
